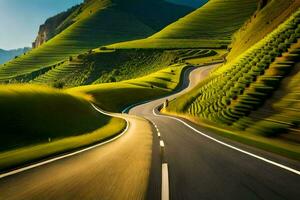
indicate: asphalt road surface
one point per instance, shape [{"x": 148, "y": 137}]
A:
[
  {"x": 117, "y": 170},
  {"x": 201, "y": 168}
]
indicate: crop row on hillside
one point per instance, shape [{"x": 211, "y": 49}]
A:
[
  {"x": 93, "y": 24},
  {"x": 263, "y": 22},
  {"x": 115, "y": 97},
  {"x": 103, "y": 66},
  {"x": 234, "y": 90}
]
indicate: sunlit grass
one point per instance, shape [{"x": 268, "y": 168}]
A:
[
  {"x": 117, "y": 96},
  {"x": 211, "y": 26},
  {"x": 55, "y": 120}
]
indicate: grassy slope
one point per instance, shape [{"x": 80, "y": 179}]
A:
[
  {"x": 117, "y": 96},
  {"x": 280, "y": 114},
  {"x": 107, "y": 66},
  {"x": 210, "y": 26},
  {"x": 30, "y": 115},
  {"x": 262, "y": 23},
  {"x": 102, "y": 66},
  {"x": 193, "y": 3},
  {"x": 67, "y": 116},
  {"x": 92, "y": 29},
  {"x": 234, "y": 90}
]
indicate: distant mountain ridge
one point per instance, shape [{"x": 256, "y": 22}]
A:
[
  {"x": 141, "y": 9},
  {"x": 6, "y": 55}
]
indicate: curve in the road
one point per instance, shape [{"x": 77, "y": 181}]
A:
[
  {"x": 201, "y": 166},
  {"x": 197, "y": 166},
  {"x": 19, "y": 170}
]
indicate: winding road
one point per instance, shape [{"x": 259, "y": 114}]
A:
[
  {"x": 203, "y": 165},
  {"x": 160, "y": 158}
]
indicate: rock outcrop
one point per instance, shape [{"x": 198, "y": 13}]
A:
[{"x": 53, "y": 26}]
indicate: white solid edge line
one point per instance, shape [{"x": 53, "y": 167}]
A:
[
  {"x": 232, "y": 147},
  {"x": 67, "y": 155},
  {"x": 165, "y": 182},
  {"x": 161, "y": 143}
]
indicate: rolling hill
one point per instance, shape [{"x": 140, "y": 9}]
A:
[
  {"x": 38, "y": 122},
  {"x": 256, "y": 93},
  {"x": 212, "y": 25},
  {"x": 104, "y": 66},
  {"x": 91, "y": 28},
  {"x": 263, "y": 22}
]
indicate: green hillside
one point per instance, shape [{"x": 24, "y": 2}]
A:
[
  {"x": 37, "y": 122},
  {"x": 103, "y": 66},
  {"x": 263, "y": 22},
  {"x": 235, "y": 94},
  {"x": 210, "y": 26},
  {"x": 95, "y": 23},
  {"x": 115, "y": 97}
]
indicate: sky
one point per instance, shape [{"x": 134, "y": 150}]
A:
[{"x": 20, "y": 19}]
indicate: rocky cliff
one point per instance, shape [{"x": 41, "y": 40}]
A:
[{"x": 53, "y": 26}]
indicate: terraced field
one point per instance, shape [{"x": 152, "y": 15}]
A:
[
  {"x": 263, "y": 22},
  {"x": 102, "y": 66},
  {"x": 280, "y": 115},
  {"x": 117, "y": 96},
  {"x": 210, "y": 26},
  {"x": 91, "y": 29},
  {"x": 235, "y": 90}
]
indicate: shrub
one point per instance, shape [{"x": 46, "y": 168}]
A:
[{"x": 59, "y": 84}]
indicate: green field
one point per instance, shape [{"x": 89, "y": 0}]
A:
[
  {"x": 90, "y": 29},
  {"x": 210, "y": 26},
  {"x": 115, "y": 97},
  {"x": 38, "y": 121},
  {"x": 104, "y": 66}
]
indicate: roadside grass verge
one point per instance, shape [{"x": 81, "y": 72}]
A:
[
  {"x": 275, "y": 145},
  {"x": 29, "y": 154},
  {"x": 37, "y": 122},
  {"x": 219, "y": 56}
]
